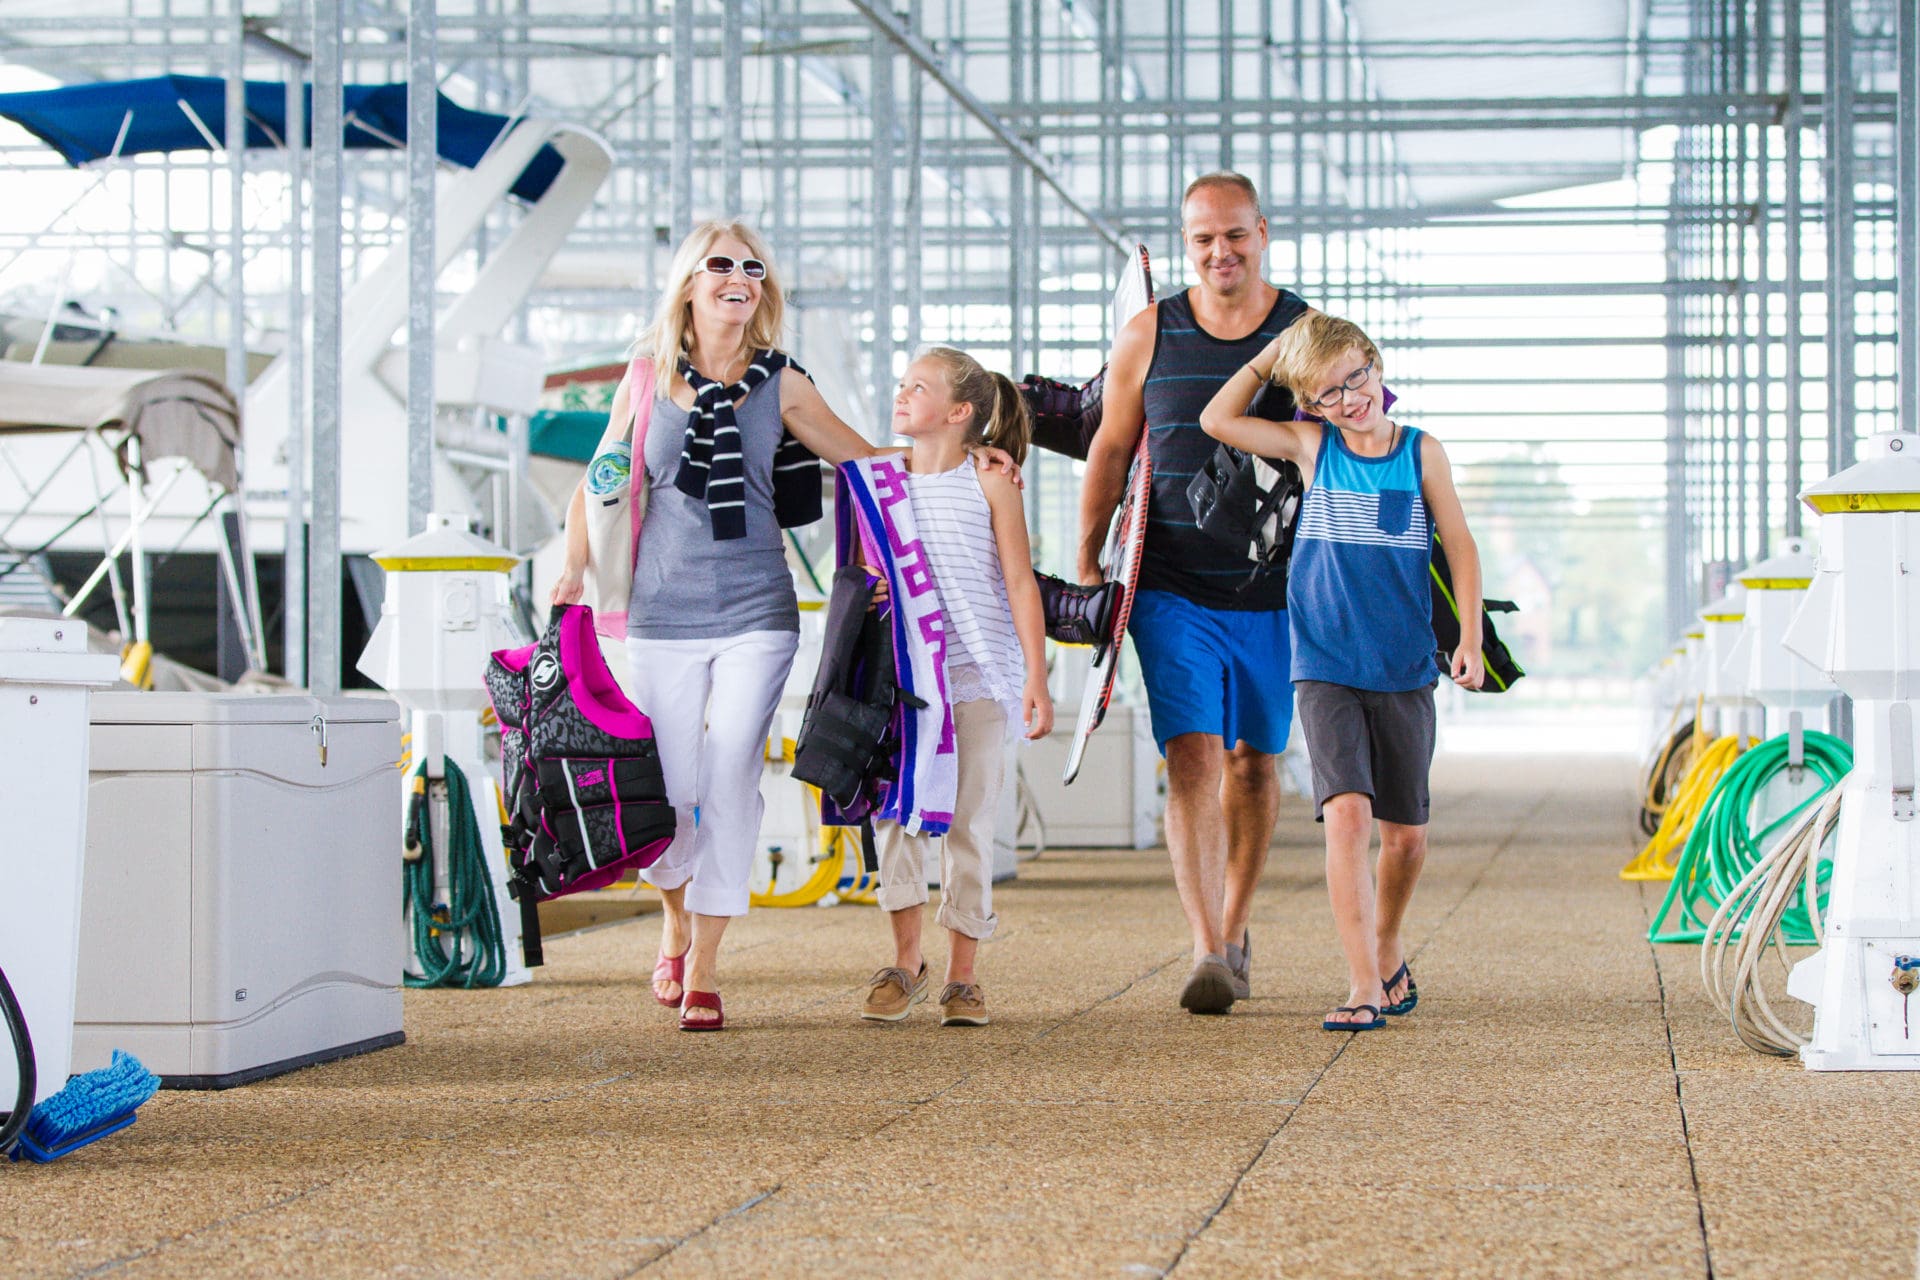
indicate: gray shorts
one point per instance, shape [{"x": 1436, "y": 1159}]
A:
[{"x": 1377, "y": 744}]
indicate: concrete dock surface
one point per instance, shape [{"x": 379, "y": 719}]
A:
[{"x": 1564, "y": 1102}]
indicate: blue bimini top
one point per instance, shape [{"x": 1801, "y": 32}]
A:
[{"x": 1357, "y": 596}]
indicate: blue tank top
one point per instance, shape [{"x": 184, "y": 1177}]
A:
[
  {"x": 1189, "y": 366},
  {"x": 1359, "y": 608}
]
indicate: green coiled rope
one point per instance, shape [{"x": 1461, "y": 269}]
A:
[
  {"x": 458, "y": 943},
  {"x": 1723, "y": 847}
]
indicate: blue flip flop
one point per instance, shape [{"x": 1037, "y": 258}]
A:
[
  {"x": 1379, "y": 1019},
  {"x": 1406, "y": 1004}
]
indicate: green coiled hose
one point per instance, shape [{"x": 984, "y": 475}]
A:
[
  {"x": 474, "y": 954},
  {"x": 1723, "y": 847}
]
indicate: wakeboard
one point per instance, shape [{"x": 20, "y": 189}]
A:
[{"x": 1126, "y": 538}]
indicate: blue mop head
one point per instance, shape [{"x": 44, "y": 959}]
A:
[{"x": 88, "y": 1109}]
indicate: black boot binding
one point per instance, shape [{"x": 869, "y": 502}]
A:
[{"x": 1077, "y": 614}]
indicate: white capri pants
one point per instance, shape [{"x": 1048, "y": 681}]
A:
[{"x": 712, "y": 704}]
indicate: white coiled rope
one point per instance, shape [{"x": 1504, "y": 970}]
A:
[{"x": 1747, "y": 927}]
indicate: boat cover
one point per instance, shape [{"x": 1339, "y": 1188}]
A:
[
  {"x": 177, "y": 413},
  {"x": 84, "y": 122}
]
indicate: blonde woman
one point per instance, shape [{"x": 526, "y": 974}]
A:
[{"x": 732, "y": 456}]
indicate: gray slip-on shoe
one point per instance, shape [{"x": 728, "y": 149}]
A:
[
  {"x": 1240, "y": 964},
  {"x": 1209, "y": 987}
]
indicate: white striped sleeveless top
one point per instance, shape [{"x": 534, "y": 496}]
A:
[{"x": 956, "y": 526}]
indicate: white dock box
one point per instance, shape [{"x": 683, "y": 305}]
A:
[
  {"x": 242, "y": 909},
  {"x": 1115, "y": 803}
]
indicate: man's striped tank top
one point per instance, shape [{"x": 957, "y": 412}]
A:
[
  {"x": 1189, "y": 366},
  {"x": 1359, "y": 606}
]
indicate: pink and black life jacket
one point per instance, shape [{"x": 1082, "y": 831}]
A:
[{"x": 585, "y": 799}]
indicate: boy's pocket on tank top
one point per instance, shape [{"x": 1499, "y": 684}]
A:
[{"x": 1396, "y": 511}]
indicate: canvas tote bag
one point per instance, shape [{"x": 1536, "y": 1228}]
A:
[{"x": 616, "y": 500}]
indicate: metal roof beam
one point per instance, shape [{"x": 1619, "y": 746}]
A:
[{"x": 924, "y": 57}]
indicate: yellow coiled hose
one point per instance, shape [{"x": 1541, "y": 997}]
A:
[{"x": 1660, "y": 856}]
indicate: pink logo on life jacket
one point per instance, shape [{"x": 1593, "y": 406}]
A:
[{"x": 592, "y": 778}]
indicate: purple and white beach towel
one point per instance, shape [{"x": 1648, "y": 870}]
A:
[{"x": 871, "y": 505}]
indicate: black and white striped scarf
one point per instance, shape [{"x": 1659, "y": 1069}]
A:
[{"x": 711, "y": 464}]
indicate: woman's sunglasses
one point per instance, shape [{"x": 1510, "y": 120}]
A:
[{"x": 721, "y": 265}]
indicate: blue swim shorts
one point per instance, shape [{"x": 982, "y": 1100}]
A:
[{"x": 1219, "y": 671}]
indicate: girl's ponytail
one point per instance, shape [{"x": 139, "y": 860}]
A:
[
  {"x": 1001, "y": 417},
  {"x": 1012, "y": 423}
]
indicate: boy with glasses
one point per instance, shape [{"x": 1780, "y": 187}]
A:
[{"x": 1363, "y": 660}]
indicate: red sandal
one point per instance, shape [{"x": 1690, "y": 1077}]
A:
[
  {"x": 671, "y": 969},
  {"x": 702, "y": 1000}
]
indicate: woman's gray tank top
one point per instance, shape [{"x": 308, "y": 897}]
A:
[{"x": 686, "y": 584}]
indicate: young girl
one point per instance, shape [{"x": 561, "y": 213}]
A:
[
  {"x": 1362, "y": 629},
  {"x": 975, "y": 532}
]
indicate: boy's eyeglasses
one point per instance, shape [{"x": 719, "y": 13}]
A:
[
  {"x": 1354, "y": 381},
  {"x": 721, "y": 265}
]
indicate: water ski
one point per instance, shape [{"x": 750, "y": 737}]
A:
[{"x": 1127, "y": 537}]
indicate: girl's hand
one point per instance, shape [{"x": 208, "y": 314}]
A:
[
  {"x": 1036, "y": 709},
  {"x": 1469, "y": 668},
  {"x": 570, "y": 586},
  {"x": 988, "y": 458},
  {"x": 879, "y": 598}
]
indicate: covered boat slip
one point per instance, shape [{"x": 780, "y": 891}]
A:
[
  {"x": 1564, "y": 1101},
  {"x": 126, "y": 439}
]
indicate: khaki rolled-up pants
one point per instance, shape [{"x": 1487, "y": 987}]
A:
[{"x": 966, "y": 851}]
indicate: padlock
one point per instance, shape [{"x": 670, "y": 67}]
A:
[{"x": 1906, "y": 975}]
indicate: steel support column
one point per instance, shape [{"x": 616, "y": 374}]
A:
[
  {"x": 680, "y": 178},
  {"x": 423, "y": 131},
  {"x": 1907, "y": 204},
  {"x": 916, "y": 159},
  {"x": 236, "y": 155},
  {"x": 324, "y": 578},
  {"x": 776, "y": 179},
  {"x": 882, "y": 111},
  {"x": 1679, "y": 594},
  {"x": 1019, "y": 208},
  {"x": 294, "y": 526},
  {"x": 1792, "y": 226},
  {"x": 732, "y": 108},
  {"x": 231, "y": 657},
  {"x": 1761, "y": 152},
  {"x": 1840, "y": 239}
]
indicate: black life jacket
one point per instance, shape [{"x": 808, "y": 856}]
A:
[
  {"x": 1248, "y": 503},
  {"x": 1251, "y": 504},
  {"x": 586, "y": 801},
  {"x": 1502, "y": 670},
  {"x": 846, "y": 740}
]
